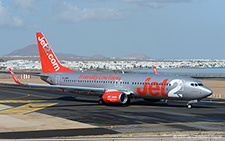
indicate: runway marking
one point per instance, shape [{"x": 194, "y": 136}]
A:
[
  {"x": 152, "y": 124},
  {"x": 20, "y": 101},
  {"x": 213, "y": 101},
  {"x": 220, "y": 102},
  {"x": 25, "y": 109},
  {"x": 19, "y": 97}
]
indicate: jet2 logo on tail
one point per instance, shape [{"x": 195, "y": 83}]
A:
[{"x": 49, "y": 53}]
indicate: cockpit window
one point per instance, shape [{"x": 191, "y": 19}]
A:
[
  {"x": 196, "y": 84},
  {"x": 200, "y": 84}
]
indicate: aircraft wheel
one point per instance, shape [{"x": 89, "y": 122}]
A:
[
  {"x": 101, "y": 102},
  {"x": 189, "y": 106}
]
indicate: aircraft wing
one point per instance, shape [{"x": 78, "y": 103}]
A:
[{"x": 75, "y": 88}]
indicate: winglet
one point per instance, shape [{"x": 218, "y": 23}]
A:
[
  {"x": 155, "y": 70},
  {"x": 14, "y": 77}
]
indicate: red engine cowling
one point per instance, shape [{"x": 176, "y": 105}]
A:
[{"x": 115, "y": 97}]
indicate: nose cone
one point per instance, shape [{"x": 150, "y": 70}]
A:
[{"x": 207, "y": 92}]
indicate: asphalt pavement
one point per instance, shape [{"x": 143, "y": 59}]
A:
[{"x": 139, "y": 117}]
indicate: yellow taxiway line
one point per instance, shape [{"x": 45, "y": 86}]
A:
[
  {"x": 20, "y": 101},
  {"x": 25, "y": 109}
]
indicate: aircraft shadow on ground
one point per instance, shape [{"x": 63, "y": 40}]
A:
[
  {"x": 169, "y": 104},
  {"x": 94, "y": 102},
  {"x": 73, "y": 99}
]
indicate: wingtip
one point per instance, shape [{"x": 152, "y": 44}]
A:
[
  {"x": 14, "y": 77},
  {"x": 155, "y": 70}
]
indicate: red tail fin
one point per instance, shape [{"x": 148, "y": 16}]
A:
[
  {"x": 155, "y": 70},
  {"x": 49, "y": 61}
]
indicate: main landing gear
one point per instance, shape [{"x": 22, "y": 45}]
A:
[{"x": 101, "y": 102}]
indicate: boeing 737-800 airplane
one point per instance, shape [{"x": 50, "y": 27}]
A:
[{"x": 116, "y": 87}]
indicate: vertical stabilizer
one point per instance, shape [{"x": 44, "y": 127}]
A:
[{"x": 49, "y": 61}]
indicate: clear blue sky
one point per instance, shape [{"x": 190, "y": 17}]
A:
[{"x": 161, "y": 29}]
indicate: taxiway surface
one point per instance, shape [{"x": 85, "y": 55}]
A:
[{"x": 76, "y": 115}]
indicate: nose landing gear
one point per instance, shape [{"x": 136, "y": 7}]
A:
[{"x": 189, "y": 104}]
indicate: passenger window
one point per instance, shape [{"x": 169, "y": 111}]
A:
[{"x": 192, "y": 84}]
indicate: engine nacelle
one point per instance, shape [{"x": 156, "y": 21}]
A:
[{"x": 115, "y": 97}]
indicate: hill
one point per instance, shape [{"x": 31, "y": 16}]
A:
[
  {"x": 136, "y": 56},
  {"x": 32, "y": 51}
]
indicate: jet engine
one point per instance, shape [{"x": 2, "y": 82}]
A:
[{"x": 115, "y": 97}]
